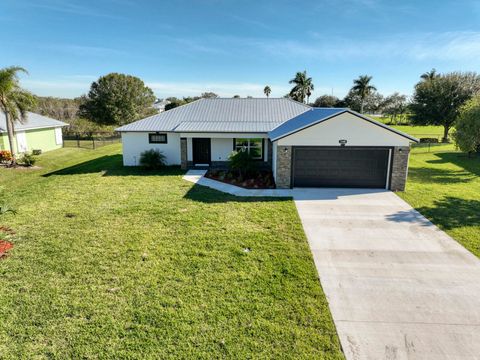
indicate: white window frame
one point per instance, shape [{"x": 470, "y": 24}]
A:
[{"x": 249, "y": 146}]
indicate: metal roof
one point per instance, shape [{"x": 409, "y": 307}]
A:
[
  {"x": 33, "y": 121},
  {"x": 222, "y": 115},
  {"x": 317, "y": 115}
]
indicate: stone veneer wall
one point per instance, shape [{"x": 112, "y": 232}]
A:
[
  {"x": 399, "y": 168},
  {"x": 270, "y": 152},
  {"x": 183, "y": 153},
  {"x": 284, "y": 167}
]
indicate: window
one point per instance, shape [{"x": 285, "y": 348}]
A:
[
  {"x": 253, "y": 146},
  {"x": 157, "y": 138}
]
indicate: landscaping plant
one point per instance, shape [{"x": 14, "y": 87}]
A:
[
  {"x": 467, "y": 128},
  {"x": 152, "y": 159},
  {"x": 242, "y": 162},
  {"x": 28, "y": 159},
  {"x": 5, "y": 156}
]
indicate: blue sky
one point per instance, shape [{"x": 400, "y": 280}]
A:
[{"x": 181, "y": 47}]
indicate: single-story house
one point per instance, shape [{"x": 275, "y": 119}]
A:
[
  {"x": 304, "y": 146},
  {"x": 37, "y": 132}
]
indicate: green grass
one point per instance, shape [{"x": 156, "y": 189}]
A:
[
  {"x": 444, "y": 185},
  {"x": 417, "y": 131},
  {"x": 117, "y": 263}
]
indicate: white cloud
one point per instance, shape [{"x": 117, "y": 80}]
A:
[
  {"x": 447, "y": 46},
  {"x": 230, "y": 89}
]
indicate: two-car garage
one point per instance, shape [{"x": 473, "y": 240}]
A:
[
  {"x": 362, "y": 167},
  {"x": 322, "y": 148}
]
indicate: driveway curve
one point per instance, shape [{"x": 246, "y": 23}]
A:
[{"x": 397, "y": 286}]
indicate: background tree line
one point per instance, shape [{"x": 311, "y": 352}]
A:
[{"x": 117, "y": 99}]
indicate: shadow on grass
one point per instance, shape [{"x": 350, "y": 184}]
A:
[
  {"x": 470, "y": 164},
  {"x": 440, "y": 176},
  {"x": 448, "y": 213},
  {"x": 207, "y": 195},
  {"x": 112, "y": 165}
]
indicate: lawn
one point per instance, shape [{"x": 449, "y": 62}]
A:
[
  {"x": 118, "y": 263},
  {"x": 444, "y": 185}
]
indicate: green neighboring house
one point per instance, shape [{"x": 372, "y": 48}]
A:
[{"x": 38, "y": 132}]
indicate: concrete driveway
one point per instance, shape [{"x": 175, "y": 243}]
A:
[{"x": 398, "y": 287}]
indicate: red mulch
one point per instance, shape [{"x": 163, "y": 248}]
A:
[
  {"x": 5, "y": 245},
  {"x": 260, "y": 180}
]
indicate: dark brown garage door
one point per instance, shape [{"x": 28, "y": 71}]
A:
[{"x": 340, "y": 167}]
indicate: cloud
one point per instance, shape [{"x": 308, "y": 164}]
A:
[
  {"x": 71, "y": 7},
  {"x": 223, "y": 89},
  {"x": 447, "y": 46},
  {"x": 82, "y": 50}
]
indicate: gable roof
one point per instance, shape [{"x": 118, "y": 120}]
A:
[
  {"x": 222, "y": 115},
  {"x": 33, "y": 121},
  {"x": 317, "y": 115}
]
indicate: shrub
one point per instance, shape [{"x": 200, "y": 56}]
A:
[
  {"x": 242, "y": 162},
  {"x": 467, "y": 129},
  {"x": 5, "y": 156},
  {"x": 28, "y": 159},
  {"x": 152, "y": 159},
  {"x": 428, "y": 140},
  {"x": 36, "y": 152}
]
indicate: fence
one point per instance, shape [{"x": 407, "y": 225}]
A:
[
  {"x": 428, "y": 142},
  {"x": 91, "y": 140}
]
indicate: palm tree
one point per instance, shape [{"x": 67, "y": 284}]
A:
[
  {"x": 14, "y": 101},
  {"x": 363, "y": 88},
  {"x": 429, "y": 75},
  {"x": 267, "y": 91},
  {"x": 303, "y": 87}
]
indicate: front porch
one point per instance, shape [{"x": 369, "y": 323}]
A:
[{"x": 207, "y": 151}]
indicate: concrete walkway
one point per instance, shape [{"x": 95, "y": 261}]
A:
[{"x": 397, "y": 286}]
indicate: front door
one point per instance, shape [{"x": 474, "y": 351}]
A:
[{"x": 201, "y": 151}]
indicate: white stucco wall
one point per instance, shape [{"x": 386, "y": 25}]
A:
[
  {"x": 356, "y": 131},
  {"x": 221, "y": 148},
  {"x": 134, "y": 143}
]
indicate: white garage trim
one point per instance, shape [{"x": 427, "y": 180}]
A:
[{"x": 345, "y": 127}]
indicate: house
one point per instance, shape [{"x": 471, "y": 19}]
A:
[
  {"x": 160, "y": 104},
  {"x": 303, "y": 146},
  {"x": 37, "y": 132}
]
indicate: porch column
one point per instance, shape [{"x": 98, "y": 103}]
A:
[{"x": 183, "y": 153}]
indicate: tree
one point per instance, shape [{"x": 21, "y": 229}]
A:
[
  {"x": 363, "y": 88},
  {"x": 14, "y": 102},
  {"x": 429, "y": 75},
  {"x": 395, "y": 106},
  {"x": 117, "y": 99},
  {"x": 209, "y": 95},
  {"x": 236, "y": 96},
  {"x": 303, "y": 87},
  {"x": 267, "y": 91},
  {"x": 371, "y": 103},
  {"x": 438, "y": 102},
  {"x": 58, "y": 108},
  {"x": 467, "y": 128},
  {"x": 328, "y": 101}
]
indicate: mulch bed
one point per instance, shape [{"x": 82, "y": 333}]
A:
[
  {"x": 4, "y": 244},
  {"x": 257, "y": 180}
]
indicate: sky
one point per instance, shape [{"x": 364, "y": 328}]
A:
[{"x": 186, "y": 47}]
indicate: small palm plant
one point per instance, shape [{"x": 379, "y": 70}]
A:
[{"x": 5, "y": 209}]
